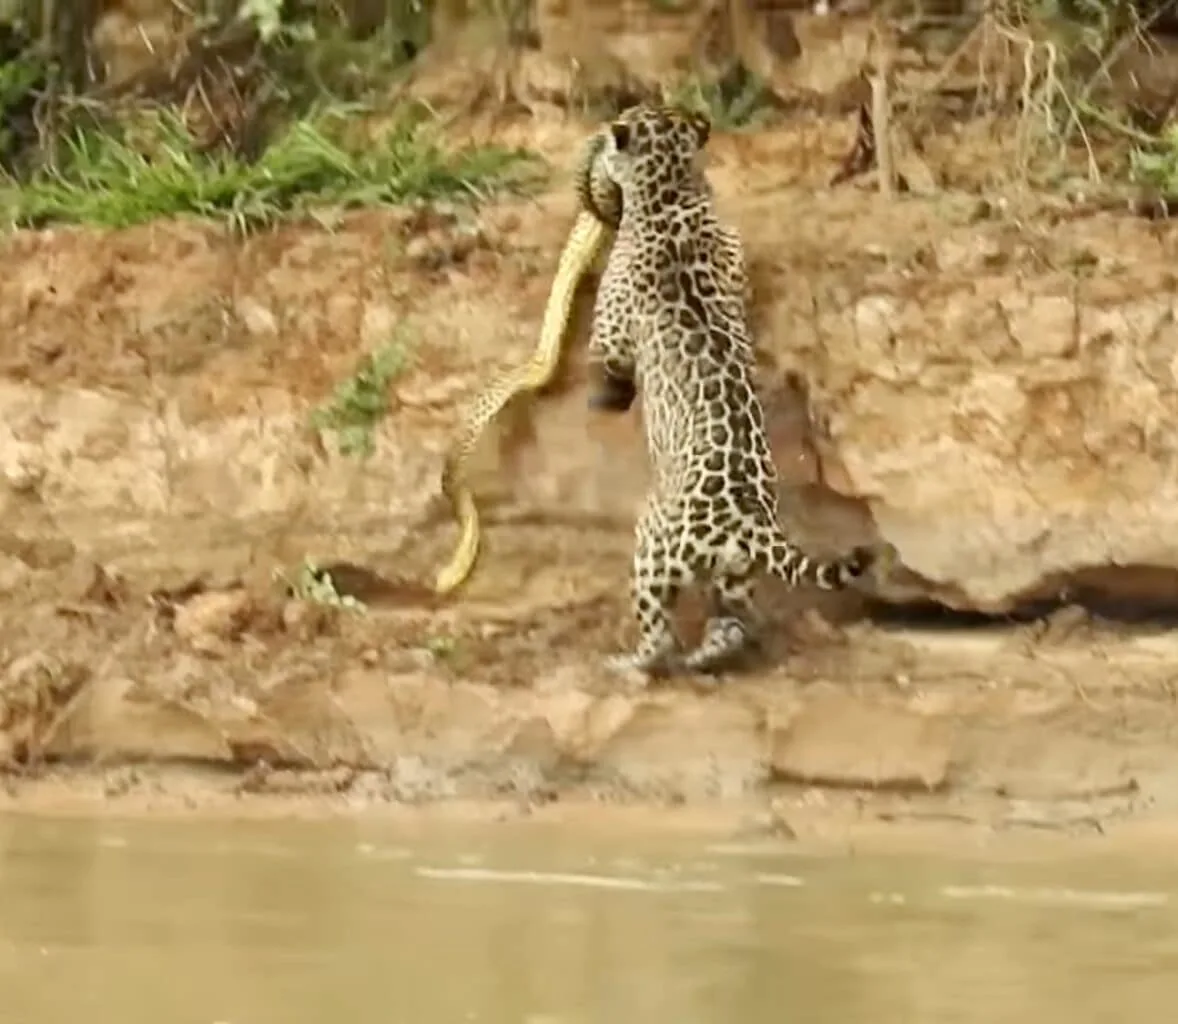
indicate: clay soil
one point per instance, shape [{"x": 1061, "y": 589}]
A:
[{"x": 158, "y": 473}]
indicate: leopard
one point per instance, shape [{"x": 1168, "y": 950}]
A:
[
  {"x": 670, "y": 325},
  {"x": 598, "y": 216},
  {"x": 599, "y": 197}
]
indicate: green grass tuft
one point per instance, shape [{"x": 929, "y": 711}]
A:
[
  {"x": 359, "y": 403},
  {"x": 313, "y": 584},
  {"x": 1156, "y": 166},
  {"x": 103, "y": 178}
]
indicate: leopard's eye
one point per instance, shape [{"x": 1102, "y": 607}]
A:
[{"x": 621, "y": 133}]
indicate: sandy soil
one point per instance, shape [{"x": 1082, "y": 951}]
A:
[{"x": 156, "y": 471}]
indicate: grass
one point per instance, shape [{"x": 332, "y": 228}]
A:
[
  {"x": 737, "y": 101},
  {"x": 313, "y": 584},
  {"x": 19, "y": 78},
  {"x": 1156, "y": 167},
  {"x": 358, "y": 404},
  {"x": 117, "y": 177},
  {"x": 1073, "y": 66}
]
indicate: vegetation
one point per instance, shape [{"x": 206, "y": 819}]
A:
[
  {"x": 1077, "y": 75},
  {"x": 1156, "y": 167},
  {"x": 279, "y": 80},
  {"x": 734, "y": 101},
  {"x": 263, "y": 115},
  {"x": 315, "y": 585},
  {"x": 130, "y": 172},
  {"x": 359, "y": 403}
]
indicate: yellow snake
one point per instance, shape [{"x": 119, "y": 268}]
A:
[{"x": 599, "y": 214}]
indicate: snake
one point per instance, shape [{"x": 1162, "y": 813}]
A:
[{"x": 599, "y": 214}]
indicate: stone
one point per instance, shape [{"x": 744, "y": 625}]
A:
[{"x": 838, "y": 740}]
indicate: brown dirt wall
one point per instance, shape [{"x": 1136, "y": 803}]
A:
[{"x": 935, "y": 374}]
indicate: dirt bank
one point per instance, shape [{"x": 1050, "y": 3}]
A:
[{"x": 156, "y": 471}]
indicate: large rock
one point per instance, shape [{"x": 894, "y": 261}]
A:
[
  {"x": 998, "y": 390},
  {"x": 1002, "y": 397}
]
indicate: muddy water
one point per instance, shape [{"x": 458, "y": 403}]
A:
[{"x": 103, "y": 921}]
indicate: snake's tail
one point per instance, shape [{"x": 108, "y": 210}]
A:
[
  {"x": 454, "y": 573},
  {"x": 585, "y": 241}
]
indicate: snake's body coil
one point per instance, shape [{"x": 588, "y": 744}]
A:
[{"x": 599, "y": 213}]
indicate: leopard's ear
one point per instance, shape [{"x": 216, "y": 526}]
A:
[
  {"x": 701, "y": 124},
  {"x": 622, "y": 135}
]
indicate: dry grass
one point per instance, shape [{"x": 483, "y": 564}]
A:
[{"x": 1061, "y": 87}]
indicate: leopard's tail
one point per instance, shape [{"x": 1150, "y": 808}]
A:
[{"x": 785, "y": 560}]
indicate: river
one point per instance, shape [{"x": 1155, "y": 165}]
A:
[{"x": 199, "y": 922}]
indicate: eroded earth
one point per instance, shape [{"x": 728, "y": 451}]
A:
[{"x": 987, "y": 390}]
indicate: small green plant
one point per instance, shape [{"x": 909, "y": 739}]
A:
[
  {"x": 358, "y": 404},
  {"x": 1156, "y": 166},
  {"x": 17, "y": 77},
  {"x": 737, "y": 100},
  {"x": 441, "y": 648},
  {"x": 117, "y": 176},
  {"x": 266, "y": 16},
  {"x": 313, "y": 584},
  {"x": 23, "y": 77}
]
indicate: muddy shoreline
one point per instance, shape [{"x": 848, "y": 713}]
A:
[
  {"x": 1015, "y": 749},
  {"x": 833, "y": 824}
]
